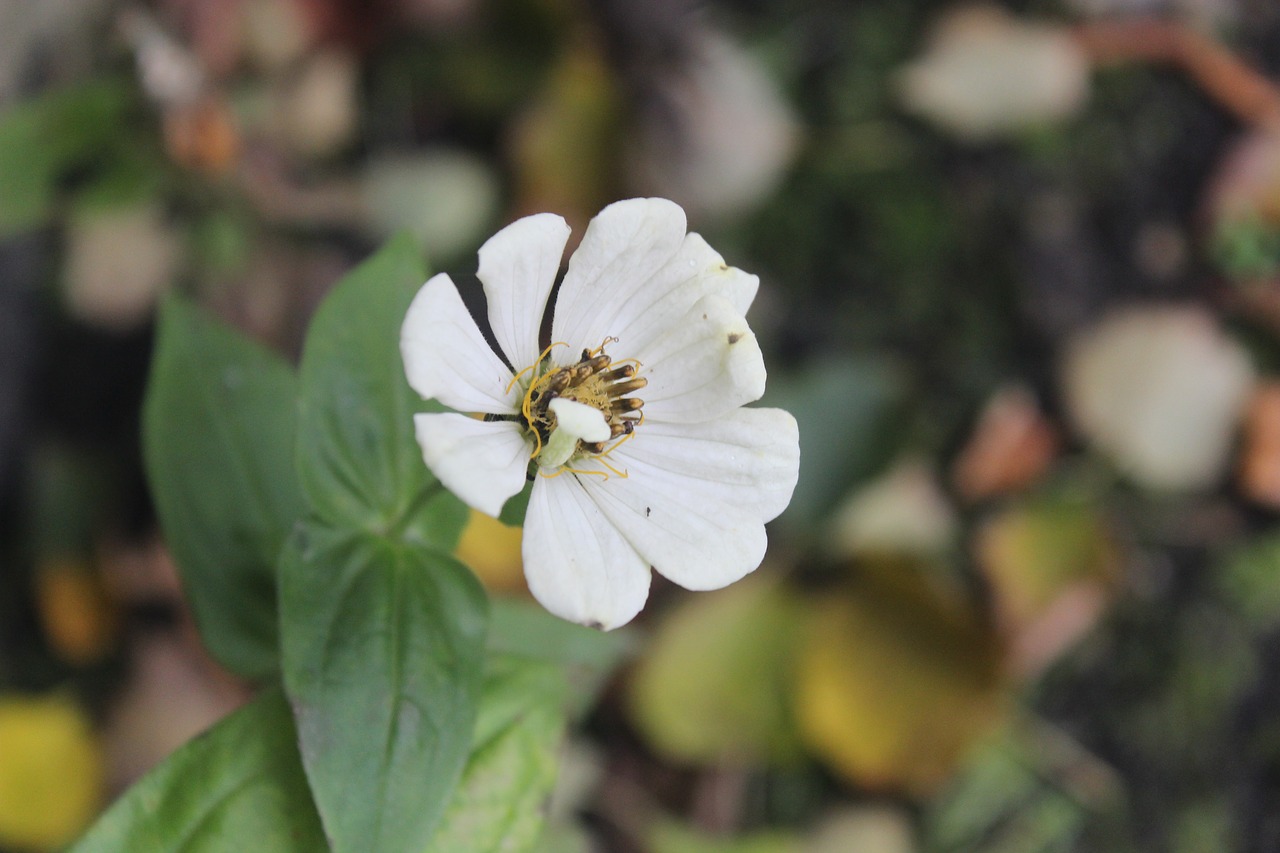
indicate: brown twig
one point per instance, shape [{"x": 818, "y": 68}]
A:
[{"x": 1231, "y": 83}]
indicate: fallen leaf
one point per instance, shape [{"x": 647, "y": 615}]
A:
[
  {"x": 987, "y": 74},
  {"x": 713, "y": 685},
  {"x": 896, "y": 681},
  {"x": 1051, "y": 568},
  {"x": 902, "y": 513},
  {"x": 1012, "y": 446},
  {"x": 1159, "y": 389},
  {"x": 1259, "y": 469},
  {"x": 119, "y": 260}
]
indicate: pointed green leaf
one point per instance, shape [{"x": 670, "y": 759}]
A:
[
  {"x": 238, "y": 786},
  {"x": 218, "y": 431},
  {"x": 357, "y": 455},
  {"x": 586, "y": 655},
  {"x": 383, "y": 651},
  {"x": 500, "y": 802}
]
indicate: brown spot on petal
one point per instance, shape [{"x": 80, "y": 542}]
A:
[{"x": 734, "y": 337}]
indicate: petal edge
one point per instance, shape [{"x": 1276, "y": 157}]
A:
[
  {"x": 518, "y": 267},
  {"x": 482, "y": 462},
  {"x": 577, "y": 564},
  {"x": 445, "y": 356}
]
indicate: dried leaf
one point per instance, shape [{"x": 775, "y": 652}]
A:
[
  {"x": 896, "y": 681},
  {"x": 1159, "y": 390},
  {"x": 1051, "y": 569},
  {"x": 987, "y": 74},
  {"x": 713, "y": 685},
  {"x": 1011, "y": 447}
]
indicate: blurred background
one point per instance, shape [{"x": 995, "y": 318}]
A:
[{"x": 1020, "y": 273}]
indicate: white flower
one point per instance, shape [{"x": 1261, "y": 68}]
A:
[{"x": 682, "y": 481}]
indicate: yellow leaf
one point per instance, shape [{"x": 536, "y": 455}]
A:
[
  {"x": 713, "y": 685},
  {"x": 50, "y": 772},
  {"x": 896, "y": 681}
]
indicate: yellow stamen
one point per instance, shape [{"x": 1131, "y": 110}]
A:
[
  {"x": 595, "y": 352},
  {"x": 537, "y": 361}
]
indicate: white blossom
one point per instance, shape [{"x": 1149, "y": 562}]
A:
[{"x": 630, "y": 423}]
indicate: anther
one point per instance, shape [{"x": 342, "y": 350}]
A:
[
  {"x": 596, "y": 447},
  {"x": 584, "y": 370},
  {"x": 598, "y": 363},
  {"x": 621, "y": 388},
  {"x": 558, "y": 381},
  {"x": 626, "y": 371},
  {"x": 626, "y": 404}
]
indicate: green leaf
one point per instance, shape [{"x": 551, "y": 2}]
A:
[
  {"x": 500, "y": 801},
  {"x": 383, "y": 651},
  {"x": 238, "y": 786},
  {"x": 517, "y": 505},
  {"x": 526, "y": 629},
  {"x": 359, "y": 461},
  {"x": 586, "y": 655},
  {"x": 1248, "y": 579},
  {"x": 218, "y": 431},
  {"x": 850, "y": 413},
  {"x": 730, "y": 701},
  {"x": 45, "y": 137},
  {"x": 1028, "y": 789}
]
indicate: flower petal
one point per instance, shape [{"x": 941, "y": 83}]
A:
[
  {"x": 706, "y": 365},
  {"x": 693, "y": 531},
  {"x": 518, "y": 266},
  {"x": 695, "y": 271},
  {"x": 577, "y": 564},
  {"x": 623, "y": 247},
  {"x": 482, "y": 462},
  {"x": 446, "y": 357},
  {"x": 752, "y": 453}
]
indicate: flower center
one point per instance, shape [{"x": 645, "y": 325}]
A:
[{"x": 595, "y": 381}]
